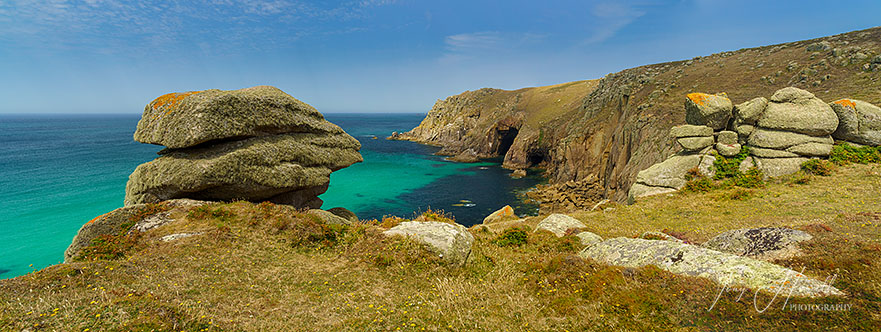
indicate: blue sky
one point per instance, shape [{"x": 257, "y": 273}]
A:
[{"x": 113, "y": 56}]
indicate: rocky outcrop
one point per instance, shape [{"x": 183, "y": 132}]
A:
[
  {"x": 344, "y": 213},
  {"x": 559, "y": 224},
  {"x": 708, "y": 110},
  {"x": 723, "y": 268},
  {"x": 766, "y": 243},
  {"x": 182, "y": 120},
  {"x": 671, "y": 174},
  {"x": 781, "y": 133},
  {"x": 132, "y": 218},
  {"x": 568, "y": 196},
  {"x": 450, "y": 242},
  {"x": 793, "y": 126},
  {"x": 620, "y": 124},
  {"x": 858, "y": 122},
  {"x": 255, "y": 144},
  {"x": 328, "y": 217}
]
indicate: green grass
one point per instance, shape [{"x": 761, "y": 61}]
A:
[
  {"x": 264, "y": 267},
  {"x": 844, "y": 153}
]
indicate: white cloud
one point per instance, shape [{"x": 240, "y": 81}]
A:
[
  {"x": 469, "y": 45},
  {"x": 135, "y": 26},
  {"x": 610, "y": 17}
]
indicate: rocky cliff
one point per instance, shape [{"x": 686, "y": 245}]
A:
[{"x": 616, "y": 126}]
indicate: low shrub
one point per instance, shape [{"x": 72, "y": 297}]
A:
[
  {"x": 436, "y": 215},
  {"x": 729, "y": 167},
  {"x": 753, "y": 178},
  {"x": 844, "y": 153},
  {"x": 391, "y": 221},
  {"x": 701, "y": 184},
  {"x": 512, "y": 237},
  {"x": 818, "y": 167}
]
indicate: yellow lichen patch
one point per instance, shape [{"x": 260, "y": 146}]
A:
[
  {"x": 846, "y": 103},
  {"x": 103, "y": 216},
  {"x": 698, "y": 98},
  {"x": 170, "y": 100}
]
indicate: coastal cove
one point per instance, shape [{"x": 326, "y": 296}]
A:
[{"x": 60, "y": 171}]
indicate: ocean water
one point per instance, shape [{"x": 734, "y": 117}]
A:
[{"x": 60, "y": 171}]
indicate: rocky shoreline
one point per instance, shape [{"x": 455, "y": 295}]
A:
[{"x": 617, "y": 126}]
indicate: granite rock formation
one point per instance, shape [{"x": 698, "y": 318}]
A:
[
  {"x": 723, "y": 268},
  {"x": 858, "y": 122},
  {"x": 616, "y": 126},
  {"x": 255, "y": 144},
  {"x": 766, "y": 243}
]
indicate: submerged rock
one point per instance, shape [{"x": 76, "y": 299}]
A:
[
  {"x": 451, "y": 242},
  {"x": 723, "y": 268},
  {"x": 767, "y": 243}
]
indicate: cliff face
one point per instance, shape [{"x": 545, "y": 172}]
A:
[{"x": 616, "y": 126}]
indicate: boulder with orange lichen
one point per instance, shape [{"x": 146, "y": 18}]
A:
[
  {"x": 255, "y": 144},
  {"x": 703, "y": 109},
  {"x": 858, "y": 122},
  {"x": 179, "y": 120}
]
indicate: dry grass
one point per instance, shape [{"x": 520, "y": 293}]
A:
[{"x": 248, "y": 272}]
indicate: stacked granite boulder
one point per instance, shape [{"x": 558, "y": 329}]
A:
[
  {"x": 704, "y": 114},
  {"x": 255, "y": 144},
  {"x": 780, "y": 133},
  {"x": 858, "y": 122},
  {"x": 671, "y": 174},
  {"x": 787, "y": 130}
]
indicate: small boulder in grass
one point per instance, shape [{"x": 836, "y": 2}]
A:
[
  {"x": 766, "y": 243},
  {"x": 503, "y": 214},
  {"x": 451, "y": 242},
  {"x": 559, "y": 224},
  {"x": 695, "y": 261},
  {"x": 588, "y": 238}
]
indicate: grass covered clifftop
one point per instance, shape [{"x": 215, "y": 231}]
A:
[
  {"x": 618, "y": 125},
  {"x": 258, "y": 267}
]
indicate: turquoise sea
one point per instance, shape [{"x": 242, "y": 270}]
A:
[{"x": 59, "y": 171}]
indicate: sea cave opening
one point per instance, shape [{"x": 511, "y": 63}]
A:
[
  {"x": 506, "y": 139},
  {"x": 536, "y": 156}
]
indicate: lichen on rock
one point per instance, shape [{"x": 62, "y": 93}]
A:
[
  {"x": 253, "y": 144},
  {"x": 723, "y": 268}
]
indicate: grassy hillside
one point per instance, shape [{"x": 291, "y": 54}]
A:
[
  {"x": 263, "y": 267},
  {"x": 621, "y": 125}
]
